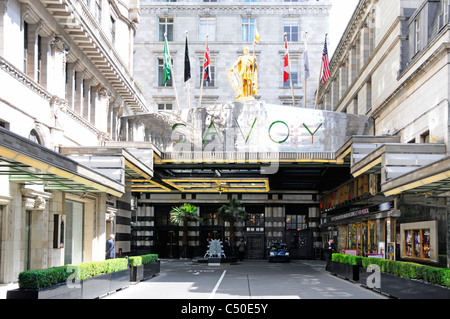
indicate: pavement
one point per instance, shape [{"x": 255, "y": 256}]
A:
[
  {"x": 188, "y": 280},
  {"x": 5, "y": 287},
  {"x": 246, "y": 280}
]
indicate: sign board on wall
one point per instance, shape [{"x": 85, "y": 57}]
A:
[{"x": 351, "y": 252}]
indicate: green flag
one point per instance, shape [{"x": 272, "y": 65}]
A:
[{"x": 166, "y": 71}]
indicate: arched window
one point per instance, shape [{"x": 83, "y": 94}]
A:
[{"x": 34, "y": 136}]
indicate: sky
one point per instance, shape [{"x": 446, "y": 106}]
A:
[{"x": 340, "y": 14}]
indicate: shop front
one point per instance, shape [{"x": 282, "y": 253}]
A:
[{"x": 366, "y": 232}]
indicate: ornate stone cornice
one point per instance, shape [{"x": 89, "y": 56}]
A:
[
  {"x": 24, "y": 79},
  {"x": 244, "y": 9}
]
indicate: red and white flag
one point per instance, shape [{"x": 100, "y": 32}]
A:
[{"x": 286, "y": 61}]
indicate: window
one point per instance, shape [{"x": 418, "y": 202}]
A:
[
  {"x": 112, "y": 30},
  {"x": 296, "y": 222},
  {"x": 4, "y": 124},
  {"x": 445, "y": 11},
  {"x": 255, "y": 223},
  {"x": 212, "y": 73},
  {"x": 443, "y": 17},
  {"x": 248, "y": 29},
  {"x": 209, "y": 0},
  {"x": 25, "y": 47},
  {"x": 39, "y": 59},
  {"x": 34, "y": 136},
  {"x": 207, "y": 26},
  {"x": 417, "y": 243},
  {"x": 98, "y": 11},
  {"x": 165, "y": 106},
  {"x": 166, "y": 26},
  {"x": 425, "y": 137},
  {"x": 417, "y": 36},
  {"x": 161, "y": 74},
  {"x": 291, "y": 29},
  {"x": 294, "y": 74}
]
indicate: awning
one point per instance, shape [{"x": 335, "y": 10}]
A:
[
  {"x": 222, "y": 185},
  {"x": 432, "y": 178},
  {"x": 27, "y": 162}
]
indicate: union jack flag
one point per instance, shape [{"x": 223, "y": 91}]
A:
[
  {"x": 206, "y": 64},
  {"x": 325, "y": 64}
]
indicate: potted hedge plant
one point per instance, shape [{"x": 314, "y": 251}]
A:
[
  {"x": 346, "y": 266},
  {"x": 143, "y": 267},
  {"x": 79, "y": 281},
  {"x": 405, "y": 280},
  {"x": 181, "y": 216}
]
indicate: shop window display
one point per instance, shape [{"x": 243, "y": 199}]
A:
[{"x": 417, "y": 244}]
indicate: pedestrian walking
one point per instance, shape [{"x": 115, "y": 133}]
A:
[
  {"x": 110, "y": 248},
  {"x": 328, "y": 251}
]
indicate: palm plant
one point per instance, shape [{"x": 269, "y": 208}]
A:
[
  {"x": 232, "y": 213},
  {"x": 181, "y": 215}
]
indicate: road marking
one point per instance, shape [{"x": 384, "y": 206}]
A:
[{"x": 211, "y": 296}]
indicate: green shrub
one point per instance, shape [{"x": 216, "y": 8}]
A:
[
  {"x": 43, "y": 278},
  {"x": 142, "y": 260},
  {"x": 446, "y": 278}
]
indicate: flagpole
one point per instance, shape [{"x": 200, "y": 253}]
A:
[
  {"x": 188, "y": 86},
  {"x": 290, "y": 76},
  {"x": 320, "y": 77},
  {"x": 173, "y": 76},
  {"x": 306, "y": 34},
  {"x": 202, "y": 79},
  {"x": 255, "y": 41}
]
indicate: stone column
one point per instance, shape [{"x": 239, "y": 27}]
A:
[
  {"x": 352, "y": 64},
  {"x": 343, "y": 79},
  {"x": 365, "y": 44},
  {"x": 57, "y": 71},
  {"x": 70, "y": 86},
  {"x": 79, "y": 77},
  {"x": 101, "y": 107},
  {"x": 86, "y": 110}
]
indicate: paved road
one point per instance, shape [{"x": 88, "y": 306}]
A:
[{"x": 246, "y": 280}]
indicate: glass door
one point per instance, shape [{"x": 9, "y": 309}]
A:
[{"x": 372, "y": 237}]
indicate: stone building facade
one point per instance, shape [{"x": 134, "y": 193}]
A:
[
  {"x": 65, "y": 74},
  {"x": 231, "y": 26},
  {"x": 392, "y": 65}
]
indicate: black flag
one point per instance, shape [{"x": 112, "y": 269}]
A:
[{"x": 187, "y": 63}]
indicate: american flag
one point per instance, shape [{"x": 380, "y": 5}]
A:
[
  {"x": 325, "y": 64},
  {"x": 206, "y": 64}
]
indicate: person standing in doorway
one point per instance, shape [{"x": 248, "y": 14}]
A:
[
  {"x": 110, "y": 247},
  {"x": 241, "y": 249},
  {"x": 328, "y": 251}
]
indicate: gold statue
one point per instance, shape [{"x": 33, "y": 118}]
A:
[{"x": 243, "y": 76}]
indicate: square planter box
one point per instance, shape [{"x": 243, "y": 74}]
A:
[
  {"x": 95, "y": 287},
  {"x": 144, "y": 272},
  {"x": 61, "y": 291},
  {"x": 89, "y": 288},
  {"x": 119, "y": 280},
  {"x": 403, "y": 288},
  {"x": 346, "y": 271}
]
